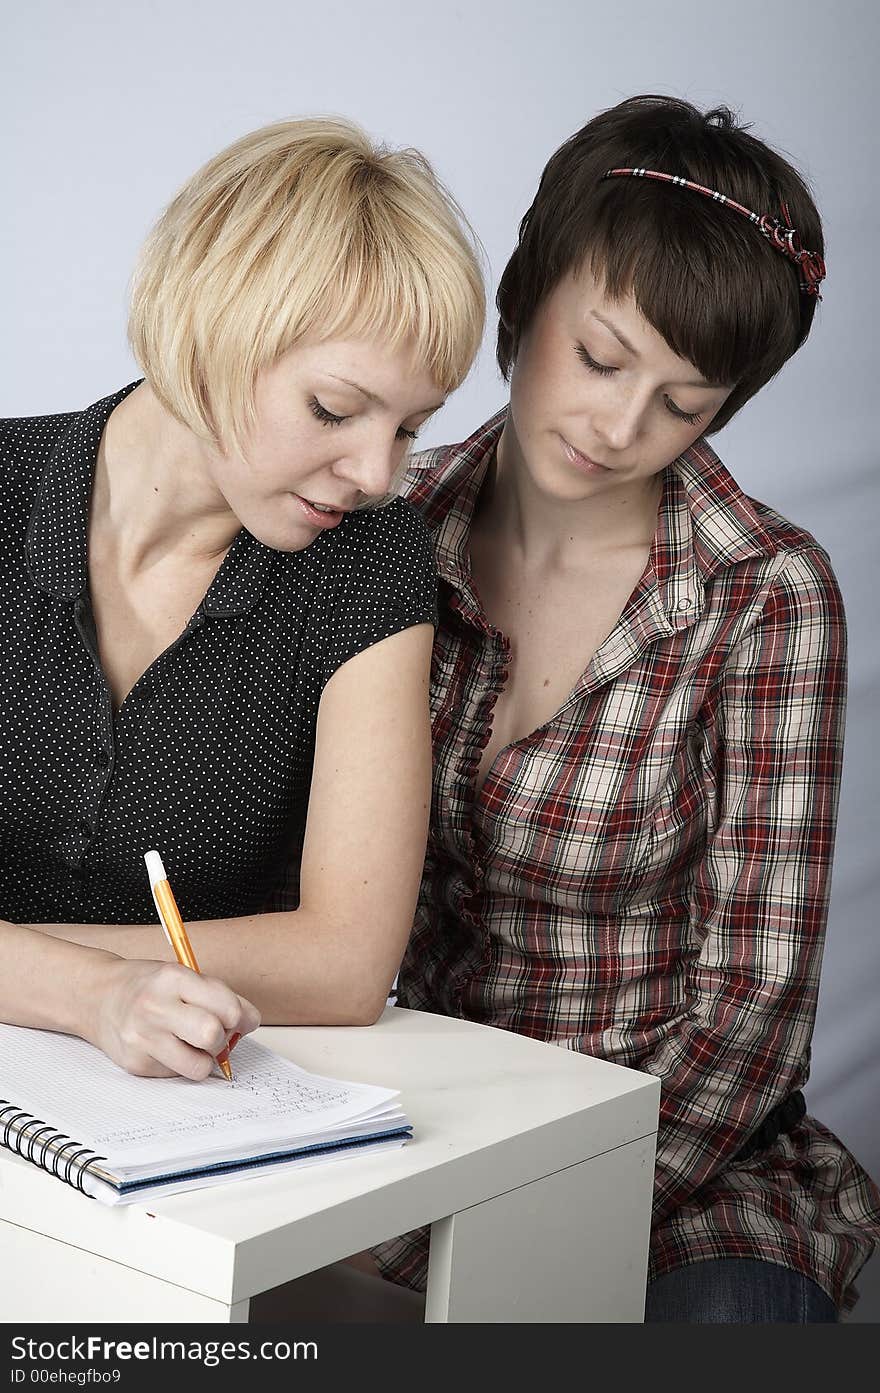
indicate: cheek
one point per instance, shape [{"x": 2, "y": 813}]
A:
[
  {"x": 284, "y": 431},
  {"x": 289, "y": 453},
  {"x": 541, "y": 386},
  {"x": 689, "y": 436},
  {"x": 668, "y": 443}
]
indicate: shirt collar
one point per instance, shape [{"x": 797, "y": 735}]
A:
[
  {"x": 58, "y": 529},
  {"x": 444, "y": 485},
  {"x": 705, "y": 522}
]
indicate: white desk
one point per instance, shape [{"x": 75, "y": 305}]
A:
[{"x": 533, "y": 1164}]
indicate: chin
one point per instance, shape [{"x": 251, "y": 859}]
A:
[
  {"x": 291, "y": 538},
  {"x": 290, "y": 544},
  {"x": 569, "y": 488}
]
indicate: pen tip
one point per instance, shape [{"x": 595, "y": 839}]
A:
[{"x": 227, "y": 1070}]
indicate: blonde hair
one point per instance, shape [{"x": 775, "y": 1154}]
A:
[{"x": 301, "y": 226}]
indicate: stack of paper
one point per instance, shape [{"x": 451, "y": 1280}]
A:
[{"x": 66, "y": 1107}]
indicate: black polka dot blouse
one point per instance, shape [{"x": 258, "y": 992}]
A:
[{"x": 209, "y": 758}]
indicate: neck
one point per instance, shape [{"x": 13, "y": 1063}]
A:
[
  {"x": 545, "y": 533},
  {"x": 153, "y": 498}
]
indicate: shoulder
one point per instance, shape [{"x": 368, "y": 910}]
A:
[
  {"x": 790, "y": 540},
  {"x": 804, "y": 591},
  {"x": 380, "y": 578},
  {"x": 390, "y": 539},
  {"x": 383, "y": 551},
  {"x": 391, "y": 524},
  {"x": 747, "y": 553},
  {"x": 783, "y": 614},
  {"x": 796, "y": 569}
]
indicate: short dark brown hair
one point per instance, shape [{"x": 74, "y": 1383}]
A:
[{"x": 706, "y": 279}]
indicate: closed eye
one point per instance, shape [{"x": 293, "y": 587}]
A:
[
  {"x": 325, "y": 416},
  {"x": 601, "y": 368},
  {"x": 690, "y": 418},
  {"x": 328, "y": 418}
]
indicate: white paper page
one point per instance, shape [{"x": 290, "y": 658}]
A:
[
  {"x": 384, "y": 1121},
  {"x": 134, "y": 1121},
  {"x": 109, "y": 1196}
]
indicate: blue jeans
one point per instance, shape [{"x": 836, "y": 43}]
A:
[{"x": 737, "y": 1291}]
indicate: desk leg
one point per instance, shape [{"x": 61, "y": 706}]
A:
[
  {"x": 571, "y": 1247},
  {"x": 45, "y": 1280}
]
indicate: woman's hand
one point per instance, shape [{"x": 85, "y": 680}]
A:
[{"x": 159, "y": 1019}]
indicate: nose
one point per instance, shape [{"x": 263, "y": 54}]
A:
[
  {"x": 370, "y": 467},
  {"x": 620, "y": 422}
]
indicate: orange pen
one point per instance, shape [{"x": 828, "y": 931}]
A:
[{"x": 175, "y": 932}]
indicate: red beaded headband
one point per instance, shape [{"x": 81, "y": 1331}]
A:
[{"x": 810, "y": 266}]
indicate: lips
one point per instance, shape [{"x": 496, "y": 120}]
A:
[
  {"x": 320, "y": 515},
  {"x": 583, "y": 462}
]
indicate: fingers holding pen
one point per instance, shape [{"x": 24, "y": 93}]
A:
[
  {"x": 160, "y": 1019},
  {"x": 175, "y": 932}
]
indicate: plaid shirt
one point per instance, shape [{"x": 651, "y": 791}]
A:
[{"x": 645, "y": 877}]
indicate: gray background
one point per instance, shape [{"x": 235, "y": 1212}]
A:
[{"x": 105, "y": 108}]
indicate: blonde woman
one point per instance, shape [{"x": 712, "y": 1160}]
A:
[{"x": 216, "y": 644}]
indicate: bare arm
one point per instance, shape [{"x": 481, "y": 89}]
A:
[
  {"x": 48, "y": 984},
  {"x": 332, "y": 960},
  {"x": 151, "y": 1018}
]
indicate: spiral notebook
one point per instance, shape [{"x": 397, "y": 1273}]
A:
[{"x": 66, "y": 1107}]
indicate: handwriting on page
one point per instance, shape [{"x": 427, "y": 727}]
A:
[{"x": 127, "y": 1118}]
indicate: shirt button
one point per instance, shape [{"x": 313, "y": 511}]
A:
[
  {"x": 86, "y": 828},
  {"x": 102, "y": 759},
  {"x": 685, "y": 602}
]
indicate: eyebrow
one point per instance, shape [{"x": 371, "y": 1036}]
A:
[
  {"x": 625, "y": 343},
  {"x": 371, "y": 396}
]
